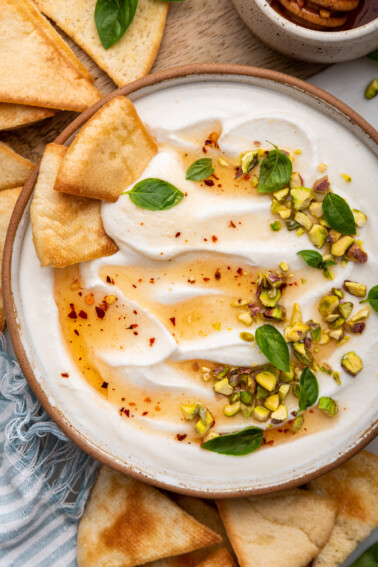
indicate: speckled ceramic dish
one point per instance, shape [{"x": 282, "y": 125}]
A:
[
  {"x": 274, "y": 468},
  {"x": 302, "y": 43}
]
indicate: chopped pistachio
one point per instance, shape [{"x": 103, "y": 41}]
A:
[
  {"x": 331, "y": 318},
  {"x": 338, "y": 292},
  {"x": 281, "y": 193},
  {"x": 324, "y": 338},
  {"x": 333, "y": 236},
  {"x": 336, "y": 377},
  {"x": 326, "y": 368},
  {"x": 297, "y": 423},
  {"x": 347, "y": 178},
  {"x": 294, "y": 333},
  {"x": 295, "y": 180},
  {"x": 190, "y": 411},
  {"x": 328, "y": 304},
  {"x": 336, "y": 334},
  {"x": 272, "y": 402},
  {"x": 276, "y": 313},
  {"x": 343, "y": 341},
  {"x": 292, "y": 225},
  {"x": 345, "y": 309},
  {"x": 212, "y": 435},
  {"x": 249, "y": 161},
  {"x": 358, "y": 327},
  {"x": 217, "y": 325},
  {"x": 300, "y": 231},
  {"x": 247, "y": 411},
  {"x": 269, "y": 298},
  {"x": 352, "y": 363},
  {"x": 267, "y": 380},
  {"x": 324, "y": 223},
  {"x": 232, "y": 409},
  {"x": 287, "y": 376},
  {"x": 239, "y": 302},
  {"x": 343, "y": 263},
  {"x": 205, "y": 421},
  {"x": 261, "y": 152},
  {"x": 298, "y": 151},
  {"x": 371, "y": 90},
  {"x": 223, "y": 372},
  {"x": 276, "y": 226},
  {"x": 328, "y": 406},
  {"x": 342, "y": 245},
  {"x": 260, "y": 413},
  {"x": 234, "y": 398},
  {"x": 223, "y": 387},
  {"x": 296, "y": 389},
  {"x": 359, "y": 217},
  {"x": 360, "y": 315},
  {"x": 280, "y": 414},
  {"x": 261, "y": 392},
  {"x": 303, "y": 220},
  {"x": 283, "y": 391},
  {"x": 301, "y": 197},
  {"x": 322, "y": 167},
  {"x": 339, "y": 322},
  {"x": 247, "y": 337},
  {"x": 302, "y": 353},
  {"x": 284, "y": 267},
  {"x": 355, "y": 288},
  {"x": 223, "y": 162},
  {"x": 245, "y": 318},
  {"x": 318, "y": 235},
  {"x": 254, "y": 180},
  {"x": 316, "y": 209},
  {"x": 315, "y": 331},
  {"x": 246, "y": 397},
  {"x": 357, "y": 254}
]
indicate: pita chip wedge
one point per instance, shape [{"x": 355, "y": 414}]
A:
[
  {"x": 66, "y": 229},
  {"x": 354, "y": 488},
  {"x": 108, "y": 154},
  {"x": 17, "y": 115},
  {"x": 8, "y": 199},
  {"x": 219, "y": 558},
  {"x": 132, "y": 56},
  {"x": 14, "y": 169},
  {"x": 127, "y": 523},
  {"x": 38, "y": 69},
  {"x": 287, "y": 529}
]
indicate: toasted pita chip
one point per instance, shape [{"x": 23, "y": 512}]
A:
[
  {"x": 219, "y": 558},
  {"x": 18, "y": 115},
  {"x": 127, "y": 523},
  {"x": 66, "y": 229},
  {"x": 8, "y": 199},
  {"x": 37, "y": 69},
  {"x": 108, "y": 154},
  {"x": 282, "y": 530},
  {"x": 14, "y": 169},
  {"x": 354, "y": 488},
  {"x": 132, "y": 56}
]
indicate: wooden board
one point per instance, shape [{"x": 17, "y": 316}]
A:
[{"x": 197, "y": 31}]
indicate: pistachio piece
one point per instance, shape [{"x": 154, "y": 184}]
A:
[
  {"x": 333, "y": 236},
  {"x": 288, "y": 376},
  {"x": 296, "y": 389},
  {"x": 328, "y": 304},
  {"x": 321, "y": 185},
  {"x": 297, "y": 423},
  {"x": 301, "y": 197},
  {"x": 249, "y": 161},
  {"x": 371, "y": 90},
  {"x": 283, "y": 266},
  {"x": 354, "y": 288},
  {"x": 261, "y": 393},
  {"x": 274, "y": 280},
  {"x": 190, "y": 411},
  {"x": 351, "y": 363},
  {"x": 223, "y": 387},
  {"x": 324, "y": 337},
  {"x": 295, "y": 180},
  {"x": 247, "y": 411},
  {"x": 268, "y": 298},
  {"x": 342, "y": 245},
  {"x": 296, "y": 316},
  {"x": 294, "y": 333},
  {"x": 359, "y": 217},
  {"x": 281, "y": 193},
  {"x": 338, "y": 292},
  {"x": 247, "y": 337},
  {"x": 205, "y": 422},
  {"x": 234, "y": 397},
  {"x": 276, "y": 313},
  {"x": 303, "y": 220},
  {"x": 277, "y": 208},
  {"x": 328, "y": 406},
  {"x": 283, "y": 391},
  {"x": 336, "y": 334},
  {"x": 292, "y": 225},
  {"x": 345, "y": 308},
  {"x": 260, "y": 413},
  {"x": 361, "y": 315},
  {"x": 316, "y": 209},
  {"x": 272, "y": 402},
  {"x": 276, "y": 226},
  {"x": 280, "y": 414},
  {"x": 266, "y": 379},
  {"x": 357, "y": 254},
  {"x": 318, "y": 235},
  {"x": 246, "y": 397},
  {"x": 356, "y": 328},
  {"x": 232, "y": 409},
  {"x": 245, "y": 318},
  {"x": 302, "y": 353}
]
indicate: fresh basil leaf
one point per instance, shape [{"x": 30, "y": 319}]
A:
[
  {"x": 309, "y": 389},
  {"x": 312, "y": 258},
  {"x": 239, "y": 443},
  {"x": 372, "y": 298},
  {"x": 200, "y": 170},
  {"x": 274, "y": 346},
  {"x": 112, "y": 18},
  {"x": 329, "y": 263},
  {"x": 155, "y": 194},
  {"x": 338, "y": 214},
  {"x": 369, "y": 558},
  {"x": 275, "y": 171}
]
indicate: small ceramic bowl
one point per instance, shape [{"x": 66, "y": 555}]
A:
[{"x": 302, "y": 43}]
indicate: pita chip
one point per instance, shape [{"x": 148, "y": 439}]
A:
[
  {"x": 17, "y": 115},
  {"x": 132, "y": 56},
  {"x": 219, "y": 558},
  {"x": 127, "y": 523},
  {"x": 38, "y": 68},
  {"x": 108, "y": 154},
  {"x": 8, "y": 199},
  {"x": 287, "y": 529},
  {"x": 66, "y": 229},
  {"x": 14, "y": 169},
  {"x": 354, "y": 488}
]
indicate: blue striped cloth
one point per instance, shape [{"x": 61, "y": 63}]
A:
[{"x": 45, "y": 479}]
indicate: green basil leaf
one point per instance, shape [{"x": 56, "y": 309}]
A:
[
  {"x": 275, "y": 171},
  {"x": 200, "y": 170},
  {"x": 312, "y": 258},
  {"x": 338, "y": 214},
  {"x": 112, "y": 18},
  {"x": 274, "y": 346},
  {"x": 239, "y": 443},
  {"x": 372, "y": 298},
  {"x": 309, "y": 389},
  {"x": 329, "y": 263},
  {"x": 369, "y": 558},
  {"x": 155, "y": 194}
]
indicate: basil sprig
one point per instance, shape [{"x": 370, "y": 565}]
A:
[
  {"x": 309, "y": 389},
  {"x": 338, "y": 214},
  {"x": 372, "y": 298},
  {"x": 237, "y": 444},
  {"x": 274, "y": 346},
  {"x": 200, "y": 170},
  {"x": 369, "y": 558},
  {"x": 315, "y": 260},
  {"x": 275, "y": 171},
  {"x": 155, "y": 194}
]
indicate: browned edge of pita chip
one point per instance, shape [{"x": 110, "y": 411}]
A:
[{"x": 219, "y": 558}]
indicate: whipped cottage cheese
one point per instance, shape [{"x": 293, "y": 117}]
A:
[{"x": 214, "y": 227}]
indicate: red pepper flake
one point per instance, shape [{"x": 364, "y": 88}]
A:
[
  {"x": 157, "y": 408},
  {"x": 181, "y": 437},
  {"x": 105, "y": 385},
  {"x": 135, "y": 333},
  {"x": 132, "y": 404},
  {"x": 133, "y": 285},
  {"x": 135, "y": 312},
  {"x": 145, "y": 413},
  {"x": 271, "y": 442},
  {"x": 205, "y": 239},
  {"x": 76, "y": 332},
  {"x": 232, "y": 224},
  {"x": 109, "y": 280},
  {"x": 209, "y": 182},
  {"x": 206, "y": 279},
  {"x": 147, "y": 400},
  {"x": 204, "y": 150},
  {"x": 214, "y": 238},
  {"x": 83, "y": 314},
  {"x": 177, "y": 234},
  {"x": 257, "y": 143},
  {"x": 217, "y": 275},
  {"x": 100, "y": 312},
  {"x": 247, "y": 176},
  {"x": 239, "y": 271},
  {"x": 152, "y": 340},
  {"x": 64, "y": 375},
  {"x": 126, "y": 412},
  {"x": 173, "y": 321},
  {"x": 72, "y": 315}
]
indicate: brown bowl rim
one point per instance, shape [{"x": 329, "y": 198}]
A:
[{"x": 10, "y": 309}]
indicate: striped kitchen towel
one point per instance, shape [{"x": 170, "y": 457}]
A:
[{"x": 45, "y": 479}]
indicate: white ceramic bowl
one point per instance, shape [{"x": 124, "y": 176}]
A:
[{"x": 302, "y": 43}]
